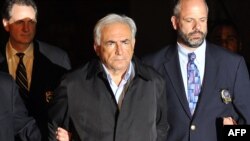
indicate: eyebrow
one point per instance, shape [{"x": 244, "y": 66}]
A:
[{"x": 126, "y": 40}]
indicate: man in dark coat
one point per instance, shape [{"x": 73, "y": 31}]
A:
[
  {"x": 44, "y": 64},
  {"x": 14, "y": 119},
  {"x": 115, "y": 97}
]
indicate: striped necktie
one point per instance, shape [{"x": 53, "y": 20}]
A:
[
  {"x": 193, "y": 82},
  {"x": 21, "y": 76}
]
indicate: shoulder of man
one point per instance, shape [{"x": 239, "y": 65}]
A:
[
  {"x": 222, "y": 54},
  {"x": 158, "y": 58},
  {"x": 145, "y": 71},
  {"x": 55, "y": 54}
]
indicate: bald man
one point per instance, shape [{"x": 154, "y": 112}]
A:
[{"x": 207, "y": 86}]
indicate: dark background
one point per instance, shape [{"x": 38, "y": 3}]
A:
[{"x": 68, "y": 24}]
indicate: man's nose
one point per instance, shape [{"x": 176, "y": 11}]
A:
[
  {"x": 118, "y": 48},
  {"x": 197, "y": 25},
  {"x": 26, "y": 27}
]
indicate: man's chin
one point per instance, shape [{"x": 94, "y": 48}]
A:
[
  {"x": 26, "y": 41},
  {"x": 120, "y": 66},
  {"x": 195, "y": 44}
]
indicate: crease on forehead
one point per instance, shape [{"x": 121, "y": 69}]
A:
[{"x": 20, "y": 12}]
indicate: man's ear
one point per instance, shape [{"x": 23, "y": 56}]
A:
[
  {"x": 174, "y": 22},
  {"x": 5, "y": 24},
  {"x": 96, "y": 48},
  {"x": 133, "y": 43}
]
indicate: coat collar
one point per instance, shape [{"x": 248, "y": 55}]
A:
[
  {"x": 172, "y": 67},
  {"x": 95, "y": 68}
]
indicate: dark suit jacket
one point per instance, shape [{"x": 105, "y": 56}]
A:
[
  {"x": 85, "y": 105},
  {"x": 49, "y": 65},
  {"x": 223, "y": 70},
  {"x": 14, "y": 118}
]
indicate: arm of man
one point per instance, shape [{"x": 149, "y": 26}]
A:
[
  {"x": 58, "y": 112},
  {"x": 25, "y": 127},
  {"x": 162, "y": 123},
  {"x": 241, "y": 97}
]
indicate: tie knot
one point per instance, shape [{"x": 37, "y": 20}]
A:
[
  {"x": 20, "y": 55},
  {"x": 191, "y": 56}
]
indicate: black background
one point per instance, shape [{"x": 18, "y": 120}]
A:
[{"x": 68, "y": 24}]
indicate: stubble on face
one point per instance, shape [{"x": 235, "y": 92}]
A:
[
  {"x": 190, "y": 41},
  {"x": 191, "y": 23}
]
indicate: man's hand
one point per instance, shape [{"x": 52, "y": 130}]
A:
[
  {"x": 229, "y": 121},
  {"x": 62, "y": 134}
]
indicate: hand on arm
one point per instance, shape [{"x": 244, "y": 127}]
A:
[
  {"x": 62, "y": 134},
  {"x": 229, "y": 121}
]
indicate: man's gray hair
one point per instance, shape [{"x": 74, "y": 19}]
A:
[{"x": 113, "y": 18}]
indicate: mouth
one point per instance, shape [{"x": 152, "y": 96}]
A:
[
  {"x": 25, "y": 35},
  {"x": 196, "y": 35},
  {"x": 120, "y": 59}
]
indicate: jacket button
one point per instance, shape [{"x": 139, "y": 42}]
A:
[{"x": 193, "y": 127}]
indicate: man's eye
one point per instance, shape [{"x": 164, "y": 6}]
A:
[
  {"x": 204, "y": 20},
  {"x": 19, "y": 22},
  {"x": 188, "y": 20},
  {"x": 125, "y": 42},
  {"x": 32, "y": 22},
  {"x": 110, "y": 44}
]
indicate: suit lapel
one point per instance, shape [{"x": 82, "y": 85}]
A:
[
  {"x": 35, "y": 68},
  {"x": 173, "y": 69},
  {"x": 42, "y": 71},
  {"x": 209, "y": 80}
]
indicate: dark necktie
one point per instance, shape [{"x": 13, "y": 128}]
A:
[
  {"x": 21, "y": 76},
  {"x": 193, "y": 82}
]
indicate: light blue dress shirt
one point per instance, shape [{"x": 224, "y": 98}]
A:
[
  {"x": 199, "y": 61},
  {"x": 118, "y": 90}
]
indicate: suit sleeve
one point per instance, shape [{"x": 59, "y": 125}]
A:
[
  {"x": 25, "y": 127},
  {"x": 162, "y": 123},
  {"x": 58, "y": 112},
  {"x": 242, "y": 93}
]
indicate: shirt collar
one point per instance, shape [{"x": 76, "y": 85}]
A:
[
  {"x": 126, "y": 76},
  {"x": 199, "y": 52}
]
